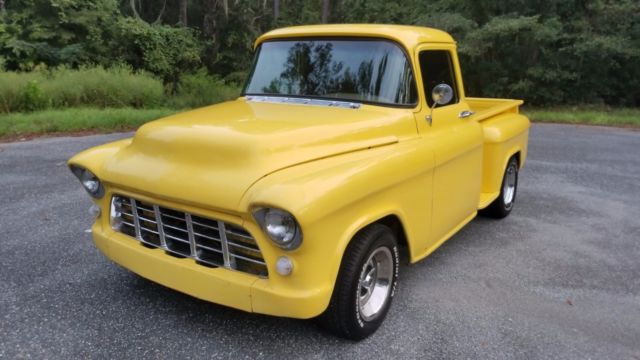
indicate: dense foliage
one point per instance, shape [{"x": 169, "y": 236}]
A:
[{"x": 545, "y": 51}]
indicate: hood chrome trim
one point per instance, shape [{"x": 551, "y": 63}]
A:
[{"x": 304, "y": 101}]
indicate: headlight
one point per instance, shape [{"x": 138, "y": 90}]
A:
[
  {"x": 280, "y": 226},
  {"x": 89, "y": 181}
]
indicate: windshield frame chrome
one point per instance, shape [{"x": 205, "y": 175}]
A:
[{"x": 303, "y": 101}]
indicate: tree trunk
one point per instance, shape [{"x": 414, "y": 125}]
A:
[
  {"x": 182, "y": 17},
  {"x": 1, "y": 7},
  {"x": 209, "y": 19},
  {"x": 161, "y": 14},
  {"x": 276, "y": 9},
  {"x": 133, "y": 5},
  {"x": 225, "y": 6},
  {"x": 325, "y": 11}
]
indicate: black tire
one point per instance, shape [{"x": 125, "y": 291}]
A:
[
  {"x": 343, "y": 317},
  {"x": 502, "y": 206}
]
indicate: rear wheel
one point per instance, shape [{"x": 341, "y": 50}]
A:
[
  {"x": 365, "y": 286},
  {"x": 502, "y": 206}
]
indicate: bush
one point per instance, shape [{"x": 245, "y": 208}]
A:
[
  {"x": 12, "y": 90},
  {"x": 116, "y": 87},
  {"x": 236, "y": 78},
  {"x": 201, "y": 89},
  {"x": 32, "y": 98},
  {"x": 99, "y": 87},
  {"x": 165, "y": 51},
  {"x": 87, "y": 87}
]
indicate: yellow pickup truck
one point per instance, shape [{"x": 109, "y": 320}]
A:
[{"x": 347, "y": 142}]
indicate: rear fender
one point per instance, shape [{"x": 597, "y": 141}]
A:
[{"x": 504, "y": 136}]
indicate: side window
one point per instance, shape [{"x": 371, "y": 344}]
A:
[{"x": 437, "y": 68}]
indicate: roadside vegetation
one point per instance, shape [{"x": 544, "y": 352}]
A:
[
  {"x": 18, "y": 125},
  {"x": 48, "y": 101},
  {"x": 59, "y": 59},
  {"x": 97, "y": 87},
  {"x": 604, "y": 116},
  {"x": 62, "y": 100}
]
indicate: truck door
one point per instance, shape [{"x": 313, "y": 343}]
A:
[{"x": 457, "y": 142}]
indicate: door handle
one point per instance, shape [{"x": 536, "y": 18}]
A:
[{"x": 465, "y": 114}]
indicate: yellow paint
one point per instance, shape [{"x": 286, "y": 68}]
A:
[
  {"x": 407, "y": 36},
  {"x": 337, "y": 170}
]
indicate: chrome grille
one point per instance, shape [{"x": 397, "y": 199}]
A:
[{"x": 210, "y": 242}]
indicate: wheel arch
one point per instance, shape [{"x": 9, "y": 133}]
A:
[
  {"x": 393, "y": 221},
  {"x": 517, "y": 154}
]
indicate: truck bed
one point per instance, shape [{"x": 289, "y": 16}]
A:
[
  {"x": 485, "y": 108},
  {"x": 505, "y": 133}
]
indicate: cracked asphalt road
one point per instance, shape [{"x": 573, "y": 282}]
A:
[{"x": 558, "y": 279}]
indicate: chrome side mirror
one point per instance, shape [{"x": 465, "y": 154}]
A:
[{"x": 441, "y": 95}]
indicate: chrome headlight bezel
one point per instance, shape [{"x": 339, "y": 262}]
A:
[
  {"x": 89, "y": 181},
  {"x": 115, "y": 213},
  {"x": 280, "y": 226}
]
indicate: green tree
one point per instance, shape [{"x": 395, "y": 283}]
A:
[
  {"x": 545, "y": 51},
  {"x": 57, "y": 32},
  {"x": 163, "y": 50}
]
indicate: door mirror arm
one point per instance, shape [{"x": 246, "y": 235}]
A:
[{"x": 441, "y": 95}]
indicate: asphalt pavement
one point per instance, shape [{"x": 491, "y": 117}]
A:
[{"x": 558, "y": 279}]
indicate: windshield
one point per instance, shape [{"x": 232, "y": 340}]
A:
[{"x": 374, "y": 71}]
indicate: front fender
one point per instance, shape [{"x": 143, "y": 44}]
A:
[
  {"x": 334, "y": 198},
  {"x": 93, "y": 158}
]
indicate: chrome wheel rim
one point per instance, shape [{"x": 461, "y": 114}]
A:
[
  {"x": 374, "y": 285},
  {"x": 509, "y": 186}
]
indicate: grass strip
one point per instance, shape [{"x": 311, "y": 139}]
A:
[
  {"x": 623, "y": 117},
  {"x": 72, "y": 120},
  {"x": 77, "y": 120}
]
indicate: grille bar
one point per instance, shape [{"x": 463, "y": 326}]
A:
[
  {"x": 192, "y": 239},
  {"x": 136, "y": 219},
  {"x": 207, "y": 226},
  {"x": 210, "y": 242},
  {"x": 225, "y": 245},
  {"x": 163, "y": 239}
]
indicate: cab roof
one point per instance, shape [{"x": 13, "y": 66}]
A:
[{"x": 408, "y": 36}]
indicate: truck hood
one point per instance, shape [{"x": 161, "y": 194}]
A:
[{"x": 209, "y": 157}]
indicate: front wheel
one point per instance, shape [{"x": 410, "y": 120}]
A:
[
  {"x": 365, "y": 286},
  {"x": 502, "y": 206}
]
